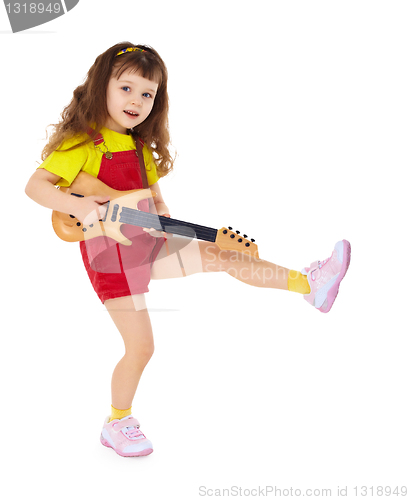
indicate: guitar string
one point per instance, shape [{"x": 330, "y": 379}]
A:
[
  {"x": 182, "y": 230},
  {"x": 159, "y": 221},
  {"x": 136, "y": 217}
]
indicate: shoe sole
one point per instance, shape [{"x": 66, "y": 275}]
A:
[
  {"x": 142, "y": 453},
  {"x": 333, "y": 291}
]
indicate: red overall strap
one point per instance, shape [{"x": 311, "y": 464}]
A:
[
  {"x": 98, "y": 139},
  {"x": 141, "y": 163}
]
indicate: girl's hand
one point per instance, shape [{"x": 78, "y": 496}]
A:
[
  {"x": 91, "y": 209},
  {"x": 157, "y": 234}
]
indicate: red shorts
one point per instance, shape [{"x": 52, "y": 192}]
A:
[{"x": 117, "y": 270}]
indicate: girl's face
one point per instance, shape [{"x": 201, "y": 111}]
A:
[{"x": 129, "y": 100}]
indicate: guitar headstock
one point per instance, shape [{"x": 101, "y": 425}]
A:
[{"x": 227, "y": 239}]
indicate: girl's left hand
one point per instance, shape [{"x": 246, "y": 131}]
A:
[{"x": 157, "y": 234}]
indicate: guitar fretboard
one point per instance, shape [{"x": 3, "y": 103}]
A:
[{"x": 161, "y": 223}]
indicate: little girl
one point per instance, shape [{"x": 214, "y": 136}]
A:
[{"x": 122, "y": 108}]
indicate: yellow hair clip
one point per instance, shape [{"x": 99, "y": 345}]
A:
[{"x": 130, "y": 49}]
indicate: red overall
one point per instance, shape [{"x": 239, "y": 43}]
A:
[{"x": 117, "y": 270}]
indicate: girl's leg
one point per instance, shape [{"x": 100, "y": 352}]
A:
[
  {"x": 132, "y": 320},
  {"x": 319, "y": 283},
  {"x": 182, "y": 257}
]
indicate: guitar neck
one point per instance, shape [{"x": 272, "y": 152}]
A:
[{"x": 161, "y": 223}]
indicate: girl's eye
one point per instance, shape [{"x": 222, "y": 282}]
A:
[
  {"x": 127, "y": 89},
  {"x": 147, "y": 94}
]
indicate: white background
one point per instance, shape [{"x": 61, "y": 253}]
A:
[{"x": 290, "y": 120}]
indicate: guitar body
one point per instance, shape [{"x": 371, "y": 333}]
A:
[
  {"x": 122, "y": 209},
  {"x": 68, "y": 228}
]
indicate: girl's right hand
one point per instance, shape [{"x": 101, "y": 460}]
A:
[{"x": 91, "y": 209}]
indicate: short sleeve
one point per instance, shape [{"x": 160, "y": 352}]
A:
[
  {"x": 150, "y": 166},
  {"x": 66, "y": 164}
]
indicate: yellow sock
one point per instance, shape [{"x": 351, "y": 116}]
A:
[
  {"x": 115, "y": 413},
  {"x": 298, "y": 282}
]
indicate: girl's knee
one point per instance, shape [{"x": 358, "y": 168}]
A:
[
  {"x": 147, "y": 353},
  {"x": 141, "y": 354}
]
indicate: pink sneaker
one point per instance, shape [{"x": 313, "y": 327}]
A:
[
  {"x": 325, "y": 277},
  {"x": 125, "y": 438}
]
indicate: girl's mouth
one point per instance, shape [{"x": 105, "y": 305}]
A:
[{"x": 131, "y": 113}]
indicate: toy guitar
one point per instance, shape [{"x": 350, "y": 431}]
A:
[{"x": 122, "y": 209}]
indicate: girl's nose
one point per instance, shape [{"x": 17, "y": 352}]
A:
[{"x": 136, "y": 102}]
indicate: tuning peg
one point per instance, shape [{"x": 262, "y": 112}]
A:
[
  {"x": 252, "y": 240},
  {"x": 230, "y": 228},
  {"x": 245, "y": 236},
  {"x": 238, "y": 232}
]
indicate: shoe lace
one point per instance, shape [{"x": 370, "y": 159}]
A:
[
  {"x": 133, "y": 433},
  {"x": 320, "y": 264},
  {"x": 130, "y": 431}
]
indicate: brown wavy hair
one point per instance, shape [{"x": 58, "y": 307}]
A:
[{"x": 89, "y": 104}]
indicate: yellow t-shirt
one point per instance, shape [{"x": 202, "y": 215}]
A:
[{"x": 68, "y": 164}]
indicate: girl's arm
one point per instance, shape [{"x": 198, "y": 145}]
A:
[
  {"x": 160, "y": 206},
  {"x": 41, "y": 188},
  {"x": 157, "y": 206}
]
